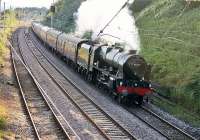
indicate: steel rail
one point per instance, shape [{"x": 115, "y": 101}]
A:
[
  {"x": 168, "y": 123},
  {"x": 42, "y": 93},
  {"x": 22, "y": 94},
  {"x": 148, "y": 124},
  {"x": 131, "y": 136},
  {"x": 147, "y": 110},
  {"x": 143, "y": 108},
  {"x": 56, "y": 109}
]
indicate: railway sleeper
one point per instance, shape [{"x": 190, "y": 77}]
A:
[
  {"x": 95, "y": 112},
  {"x": 39, "y": 110},
  {"x": 40, "y": 116},
  {"x": 81, "y": 100},
  {"x": 48, "y": 130},
  {"x": 110, "y": 126},
  {"x": 101, "y": 118},
  {"x": 37, "y": 104},
  {"x": 88, "y": 107},
  {"x": 34, "y": 99},
  {"x": 115, "y": 133},
  {"x": 83, "y": 103},
  {"x": 104, "y": 122},
  {"x": 94, "y": 115}
]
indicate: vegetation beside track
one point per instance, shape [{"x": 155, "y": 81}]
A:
[
  {"x": 30, "y": 13},
  {"x": 10, "y": 21},
  {"x": 170, "y": 32},
  {"x": 3, "y": 117},
  {"x": 64, "y": 18},
  {"x": 178, "y": 111}
]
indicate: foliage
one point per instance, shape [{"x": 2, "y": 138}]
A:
[
  {"x": 2, "y": 117},
  {"x": 32, "y": 13},
  {"x": 169, "y": 32},
  {"x": 88, "y": 35},
  {"x": 10, "y": 21},
  {"x": 179, "y": 112},
  {"x": 139, "y": 5},
  {"x": 2, "y": 123},
  {"x": 64, "y": 17}
]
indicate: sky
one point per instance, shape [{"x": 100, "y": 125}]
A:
[{"x": 27, "y": 3}]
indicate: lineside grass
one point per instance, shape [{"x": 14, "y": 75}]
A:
[
  {"x": 3, "y": 117},
  {"x": 4, "y": 33},
  {"x": 170, "y": 32},
  {"x": 179, "y": 112}
]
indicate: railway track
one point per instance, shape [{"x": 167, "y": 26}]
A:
[
  {"x": 97, "y": 116},
  {"x": 106, "y": 125},
  {"x": 159, "y": 124},
  {"x": 158, "y": 97},
  {"x": 154, "y": 121},
  {"x": 144, "y": 114},
  {"x": 46, "y": 120}
]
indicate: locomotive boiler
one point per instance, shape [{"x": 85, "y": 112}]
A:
[{"x": 124, "y": 74}]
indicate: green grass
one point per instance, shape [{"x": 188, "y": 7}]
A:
[
  {"x": 1, "y": 133},
  {"x": 2, "y": 123},
  {"x": 63, "y": 18},
  {"x": 10, "y": 22},
  {"x": 169, "y": 32},
  {"x": 179, "y": 112},
  {"x": 3, "y": 116}
]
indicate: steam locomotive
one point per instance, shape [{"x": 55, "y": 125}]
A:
[{"x": 124, "y": 74}]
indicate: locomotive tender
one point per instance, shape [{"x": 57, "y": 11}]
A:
[{"x": 124, "y": 74}]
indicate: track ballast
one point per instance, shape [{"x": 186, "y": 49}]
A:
[
  {"x": 110, "y": 128},
  {"x": 46, "y": 120}
]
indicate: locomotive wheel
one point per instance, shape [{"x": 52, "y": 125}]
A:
[
  {"x": 139, "y": 100},
  {"x": 128, "y": 101},
  {"x": 110, "y": 92},
  {"x": 120, "y": 99},
  {"x": 78, "y": 70},
  {"x": 114, "y": 96},
  {"x": 147, "y": 100},
  {"x": 89, "y": 77},
  {"x": 98, "y": 84}
]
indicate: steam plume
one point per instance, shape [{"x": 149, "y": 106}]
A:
[{"x": 93, "y": 15}]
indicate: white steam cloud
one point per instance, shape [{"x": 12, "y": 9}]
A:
[{"x": 93, "y": 15}]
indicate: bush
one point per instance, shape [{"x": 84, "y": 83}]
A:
[
  {"x": 64, "y": 17},
  {"x": 88, "y": 35},
  {"x": 194, "y": 89},
  {"x": 4, "y": 33},
  {"x": 2, "y": 123},
  {"x": 139, "y": 5},
  {"x": 169, "y": 32}
]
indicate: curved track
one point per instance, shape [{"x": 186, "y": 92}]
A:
[
  {"x": 108, "y": 127},
  {"x": 45, "y": 119},
  {"x": 144, "y": 114},
  {"x": 157, "y": 123}
]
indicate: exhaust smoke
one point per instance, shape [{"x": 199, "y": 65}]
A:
[{"x": 93, "y": 15}]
